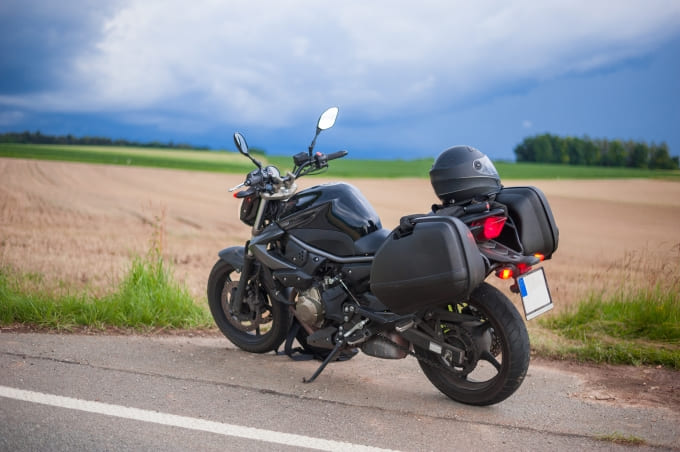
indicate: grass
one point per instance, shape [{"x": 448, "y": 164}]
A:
[
  {"x": 147, "y": 298},
  {"x": 636, "y": 324},
  {"x": 356, "y": 168},
  {"x": 232, "y": 162},
  {"x": 554, "y": 171},
  {"x": 630, "y": 327},
  {"x": 620, "y": 438},
  {"x": 157, "y": 158}
]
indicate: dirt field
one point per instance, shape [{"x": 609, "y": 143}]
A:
[{"x": 79, "y": 225}]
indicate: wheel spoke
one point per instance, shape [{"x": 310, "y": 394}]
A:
[{"x": 486, "y": 356}]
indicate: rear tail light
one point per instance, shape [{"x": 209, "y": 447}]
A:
[
  {"x": 523, "y": 268},
  {"x": 493, "y": 227},
  {"x": 488, "y": 228}
]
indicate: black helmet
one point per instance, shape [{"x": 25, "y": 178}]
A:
[{"x": 463, "y": 173}]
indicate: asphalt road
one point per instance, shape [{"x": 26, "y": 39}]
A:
[{"x": 77, "y": 392}]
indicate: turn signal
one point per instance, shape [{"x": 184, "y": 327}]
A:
[
  {"x": 539, "y": 256},
  {"x": 504, "y": 273}
]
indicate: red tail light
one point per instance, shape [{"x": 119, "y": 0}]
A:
[
  {"x": 493, "y": 227},
  {"x": 488, "y": 228},
  {"x": 523, "y": 268}
]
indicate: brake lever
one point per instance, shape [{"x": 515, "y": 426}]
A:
[{"x": 242, "y": 184}]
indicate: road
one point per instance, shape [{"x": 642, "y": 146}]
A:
[{"x": 97, "y": 392}]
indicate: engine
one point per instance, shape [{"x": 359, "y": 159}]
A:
[
  {"x": 309, "y": 307},
  {"x": 325, "y": 310},
  {"x": 320, "y": 303}
]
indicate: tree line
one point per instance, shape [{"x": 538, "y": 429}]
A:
[
  {"x": 549, "y": 148},
  {"x": 545, "y": 148},
  {"x": 39, "y": 138}
]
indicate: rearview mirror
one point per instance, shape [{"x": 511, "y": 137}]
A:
[
  {"x": 327, "y": 118},
  {"x": 241, "y": 144}
]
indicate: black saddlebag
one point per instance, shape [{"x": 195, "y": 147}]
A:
[
  {"x": 435, "y": 262},
  {"x": 532, "y": 229}
]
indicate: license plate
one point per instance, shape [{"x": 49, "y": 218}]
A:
[{"x": 533, "y": 287}]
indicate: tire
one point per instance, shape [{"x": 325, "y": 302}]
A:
[
  {"x": 261, "y": 325},
  {"x": 499, "y": 333}
]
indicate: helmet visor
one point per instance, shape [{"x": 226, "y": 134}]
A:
[{"x": 485, "y": 167}]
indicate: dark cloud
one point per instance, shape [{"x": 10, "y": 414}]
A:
[
  {"x": 409, "y": 77},
  {"x": 39, "y": 39}
]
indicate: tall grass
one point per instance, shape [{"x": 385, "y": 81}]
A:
[
  {"x": 147, "y": 298},
  {"x": 631, "y": 325}
]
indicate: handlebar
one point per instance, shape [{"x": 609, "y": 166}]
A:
[
  {"x": 261, "y": 180},
  {"x": 336, "y": 155},
  {"x": 320, "y": 160}
]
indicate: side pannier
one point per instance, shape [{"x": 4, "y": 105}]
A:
[
  {"x": 532, "y": 228},
  {"x": 435, "y": 261}
]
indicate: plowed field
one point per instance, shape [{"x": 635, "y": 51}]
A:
[{"x": 79, "y": 224}]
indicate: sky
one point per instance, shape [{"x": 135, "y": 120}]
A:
[{"x": 410, "y": 78}]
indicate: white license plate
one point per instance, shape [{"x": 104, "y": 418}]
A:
[{"x": 533, "y": 287}]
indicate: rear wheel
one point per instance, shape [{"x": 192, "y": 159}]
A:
[
  {"x": 260, "y": 325},
  {"x": 496, "y": 345}
]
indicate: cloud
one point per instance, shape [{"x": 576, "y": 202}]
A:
[{"x": 272, "y": 61}]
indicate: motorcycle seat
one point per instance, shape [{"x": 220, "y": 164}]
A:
[{"x": 369, "y": 244}]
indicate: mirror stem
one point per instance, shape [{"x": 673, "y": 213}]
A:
[{"x": 311, "y": 146}]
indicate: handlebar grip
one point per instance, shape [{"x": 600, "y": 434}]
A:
[
  {"x": 336, "y": 155},
  {"x": 245, "y": 193}
]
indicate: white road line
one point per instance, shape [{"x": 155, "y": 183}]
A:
[{"x": 174, "y": 420}]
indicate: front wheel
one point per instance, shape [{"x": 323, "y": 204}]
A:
[
  {"x": 260, "y": 325},
  {"x": 496, "y": 345}
]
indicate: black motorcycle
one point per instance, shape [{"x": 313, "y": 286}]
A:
[{"x": 321, "y": 270}]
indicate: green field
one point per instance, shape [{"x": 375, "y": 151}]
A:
[
  {"x": 227, "y": 162},
  {"x": 232, "y": 162}
]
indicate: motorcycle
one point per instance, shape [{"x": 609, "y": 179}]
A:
[{"x": 320, "y": 269}]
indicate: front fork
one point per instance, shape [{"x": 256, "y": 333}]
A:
[
  {"x": 246, "y": 272},
  {"x": 252, "y": 268},
  {"x": 248, "y": 260}
]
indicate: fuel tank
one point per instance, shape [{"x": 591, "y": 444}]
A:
[{"x": 331, "y": 217}]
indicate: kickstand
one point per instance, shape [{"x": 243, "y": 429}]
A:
[{"x": 331, "y": 356}]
